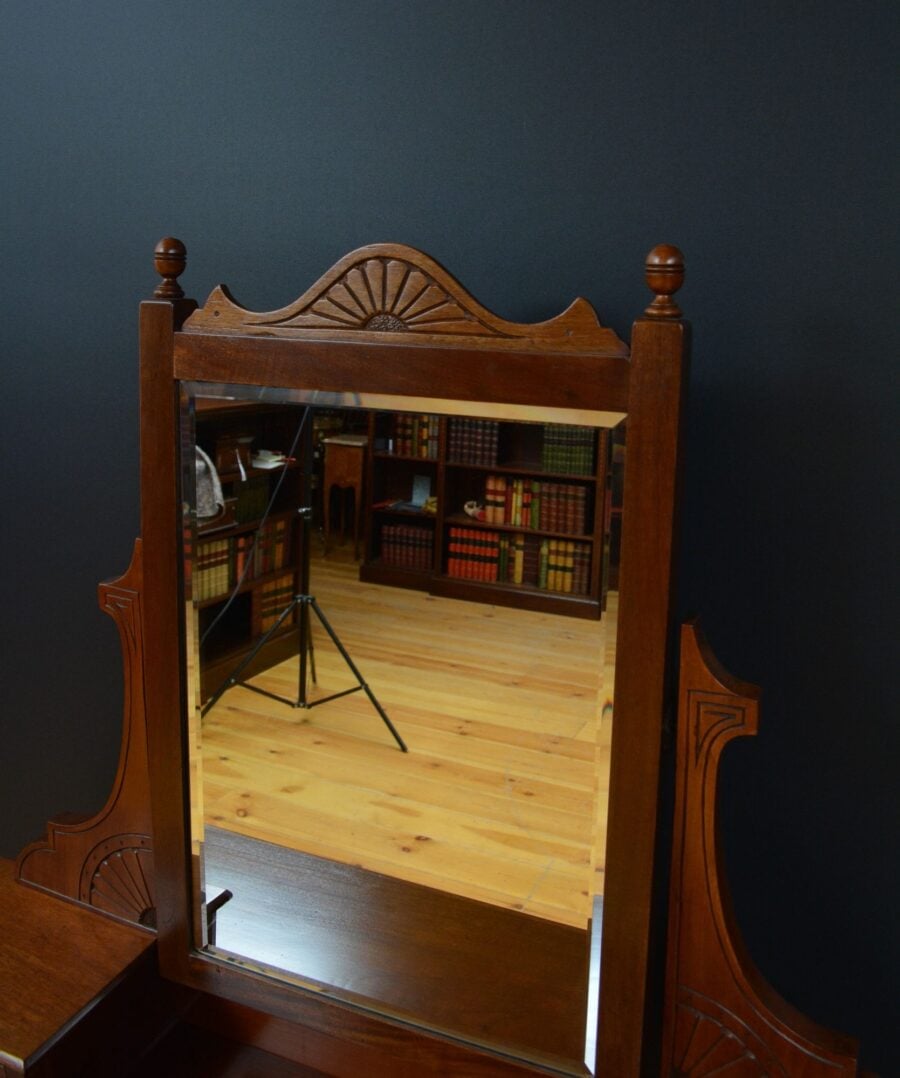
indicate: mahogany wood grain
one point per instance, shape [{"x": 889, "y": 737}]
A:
[
  {"x": 720, "y": 1015},
  {"x": 414, "y": 950},
  {"x": 403, "y": 367},
  {"x": 665, "y": 275},
  {"x": 189, "y": 1051},
  {"x": 106, "y": 860},
  {"x": 643, "y": 676},
  {"x": 348, "y": 1044},
  {"x": 80, "y": 993},
  {"x": 386, "y": 288},
  {"x": 164, "y": 695}
]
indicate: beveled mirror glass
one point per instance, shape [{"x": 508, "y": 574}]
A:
[{"x": 431, "y": 782}]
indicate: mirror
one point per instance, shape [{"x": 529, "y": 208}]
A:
[
  {"x": 387, "y": 332},
  {"x": 400, "y": 630}
]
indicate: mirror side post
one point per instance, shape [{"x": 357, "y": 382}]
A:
[
  {"x": 160, "y": 318},
  {"x": 634, "y": 915}
]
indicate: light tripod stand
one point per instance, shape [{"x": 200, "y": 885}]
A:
[{"x": 302, "y": 603}]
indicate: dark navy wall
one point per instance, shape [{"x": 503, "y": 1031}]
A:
[{"x": 538, "y": 150}]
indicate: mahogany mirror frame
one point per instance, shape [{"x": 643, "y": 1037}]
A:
[{"x": 591, "y": 369}]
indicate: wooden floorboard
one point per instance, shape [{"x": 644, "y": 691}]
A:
[
  {"x": 506, "y": 715},
  {"x": 412, "y": 949}
]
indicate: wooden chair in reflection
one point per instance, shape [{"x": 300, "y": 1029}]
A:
[{"x": 345, "y": 456}]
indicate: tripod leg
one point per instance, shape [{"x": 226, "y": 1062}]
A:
[
  {"x": 312, "y": 653},
  {"x": 245, "y": 662},
  {"x": 307, "y": 652},
  {"x": 346, "y": 657},
  {"x": 303, "y": 614}
]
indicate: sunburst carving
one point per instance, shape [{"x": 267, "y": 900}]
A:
[
  {"x": 385, "y": 294},
  {"x": 117, "y": 878},
  {"x": 710, "y": 1040},
  {"x": 388, "y": 288}
]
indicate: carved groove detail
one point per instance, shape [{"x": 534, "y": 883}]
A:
[
  {"x": 721, "y": 1017},
  {"x": 711, "y": 721},
  {"x": 117, "y": 878},
  {"x": 106, "y": 860},
  {"x": 710, "y": 1040},
  {"x": 390, "y": 288},
  {"x": 385, "y": 294}
]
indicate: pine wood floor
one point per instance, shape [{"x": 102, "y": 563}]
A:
[{"x": 506, "y": 714}]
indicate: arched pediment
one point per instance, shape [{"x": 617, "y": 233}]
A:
[{"x": 389, "y": 288}]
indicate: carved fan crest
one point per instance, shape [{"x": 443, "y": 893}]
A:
[
  {"x": 396, "y": 289},
  {"x": 386, "y": 294}
]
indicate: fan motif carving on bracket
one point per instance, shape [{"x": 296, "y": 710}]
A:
[
  {"x": 386, "y": 294},
  {"x": 710, "y": 1040},
  {"x": 117, "y": 878}
]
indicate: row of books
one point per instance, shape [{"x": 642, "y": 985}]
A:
[
  {"x": 213, "y": 569},
  {"x": 568, "y": 450},
  {"x": 560, "y": 565},
  {"x": 407, "y": 546},
  {"x": 531, "y": 503},
  {"x": 564, "y": 449},
  {"x": 270, "y": 601},
  {"x": 414, "y": 435},
  {"x": 473, "y": 441},
  {"x": 223, "y": 563}
]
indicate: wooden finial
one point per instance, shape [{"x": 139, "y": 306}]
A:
[
  {"x": 664, "y": 273},
  {"x": 170, "y": 257}
]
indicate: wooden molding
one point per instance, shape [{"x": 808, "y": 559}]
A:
[
  {"x": 721, "y": 1017},
  {"x": 106, "y": 861},
  {"x": 389, "y": 288}
]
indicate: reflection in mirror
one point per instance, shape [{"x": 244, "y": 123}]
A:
[{"x": 401, "y": 639}]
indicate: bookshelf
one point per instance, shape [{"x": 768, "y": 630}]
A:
[
  {"x": 245, "y": 572},
  {"x": 404, "y": 476},
  {"x": 538, "y": 536}
]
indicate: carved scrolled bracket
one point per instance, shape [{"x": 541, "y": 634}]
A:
[
  {"x": 391, "y": 288},
  {"x": 721, "y": 1017},
  {"x": 106, "y": 861}
]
